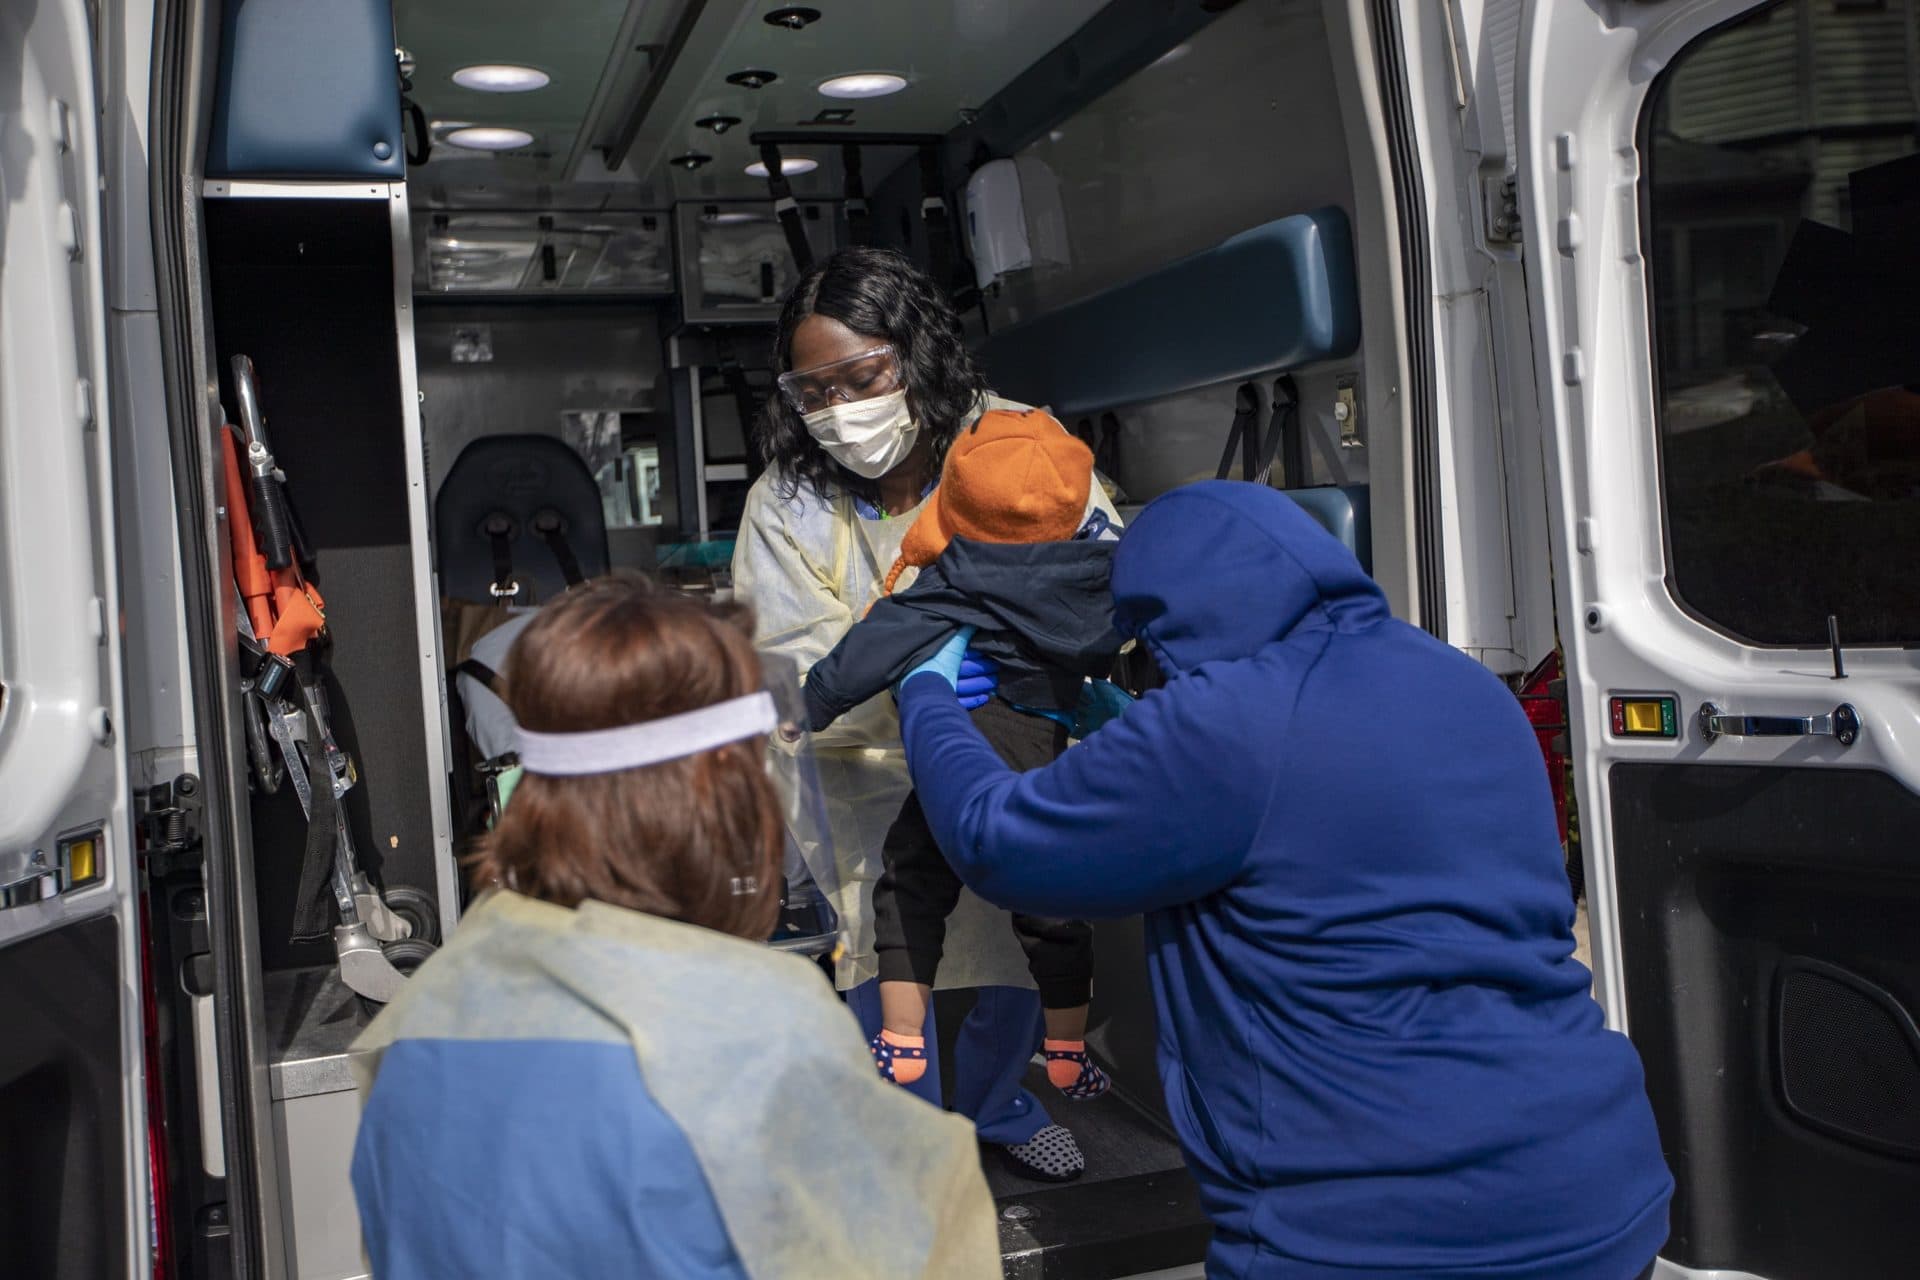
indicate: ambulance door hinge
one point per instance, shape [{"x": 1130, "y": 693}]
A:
[
  {"x": 1502, "y": 210},
  {"x": 170, "y": 825}
]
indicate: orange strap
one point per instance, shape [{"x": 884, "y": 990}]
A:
[
  {"x": 286, "y": 612},
  {"x": 250, "y": 572},
  {"x": 300, "y": 614}
]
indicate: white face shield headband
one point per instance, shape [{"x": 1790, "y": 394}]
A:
[
  {"x": 634, "y": 746},
  {"x": 778, "y": 713}
]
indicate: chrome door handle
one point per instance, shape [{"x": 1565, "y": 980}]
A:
[
  {"x": 26, "y": 878},
  {"x": 1841, "y": 724}
]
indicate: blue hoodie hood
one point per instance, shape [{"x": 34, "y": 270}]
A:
[{"x": 1215, "y": 571}]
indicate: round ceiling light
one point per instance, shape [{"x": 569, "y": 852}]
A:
[
  {"x": 863, "y": 84},
  {"x": 753, "y": 79},
  {"x": 719, "y": 124},
  {"x": 501, "y": 77},
  {"x": 691, "y": 160},
  {"x": 488, "y": 137},
  {"x": 790, "y": 167},
  {"x": 793, "y": 18}
]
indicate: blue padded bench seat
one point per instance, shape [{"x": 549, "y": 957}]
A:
[
  {"x": 308, "y": 89},
  {"x": 1342, "y": 510},
  {"x": 1279, "y": 296}
]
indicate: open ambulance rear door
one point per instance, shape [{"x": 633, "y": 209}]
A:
[
  {"x": 1722, "y": 213},
  {"x": 73, "y": 1138}
]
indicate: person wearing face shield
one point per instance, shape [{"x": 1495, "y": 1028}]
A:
[
  {"x": 607, "y": 1071},
  {"x": 874, "y": 384}
]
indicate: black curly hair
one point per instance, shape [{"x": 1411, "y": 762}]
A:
[{"x": 880, "y": 294}]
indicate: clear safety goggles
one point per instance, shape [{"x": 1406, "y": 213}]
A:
[
  {"x": 778, "y": 712},
  {"x": 866, "y": 376}
]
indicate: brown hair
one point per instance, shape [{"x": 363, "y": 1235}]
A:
[{"x": 679, "y": 839}]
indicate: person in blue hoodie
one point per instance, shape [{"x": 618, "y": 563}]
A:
[{"x": 1377, "y": 1047}]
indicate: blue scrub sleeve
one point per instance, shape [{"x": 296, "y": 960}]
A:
[{"x": 1139, "y": 817}]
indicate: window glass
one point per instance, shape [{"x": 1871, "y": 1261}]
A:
[{"x": 1783, "y": 240}]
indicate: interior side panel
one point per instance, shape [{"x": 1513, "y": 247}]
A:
[
  {"x": 305, "y": 288},
  {"x": 543, "y": 361},
  {"x": 1768, "y": 917}
]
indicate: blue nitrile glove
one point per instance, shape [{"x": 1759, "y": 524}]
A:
[
  {"x": 1100, "y": 702},
  {"x": 979, "y": 678},
  {"x": 945, "y": 662}
]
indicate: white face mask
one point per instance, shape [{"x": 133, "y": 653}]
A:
[{"x": 867, "y": 437}]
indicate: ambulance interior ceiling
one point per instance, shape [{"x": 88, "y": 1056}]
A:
[
  {"x": 1235, "y": 122},
  {"x": 630, "y": 83},
  {"x": 1231, "y": 121}
]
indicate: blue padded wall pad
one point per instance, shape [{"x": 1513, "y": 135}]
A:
[
  {"x": 1279, "y": 296},
  {"x": 1343, "y": 511},
  {"x": 308, "y": 89}
]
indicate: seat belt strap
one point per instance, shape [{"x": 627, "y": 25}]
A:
[
  {"x": 499, "y": 531},
  {"x": 313, "y": 901},
  {"x": 933, "y": 212},
  {"x": 786, "y": 209},
  {"x": 553, "y": 531},
  {"x": 1240, "y": 436},
  {"x": 858, "y": 218},
  {"x": 1283, "y": 432},
  {"x": 475, "y": 669}
]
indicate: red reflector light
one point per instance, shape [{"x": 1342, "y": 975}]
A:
[{"x": 1544, "y": 713}]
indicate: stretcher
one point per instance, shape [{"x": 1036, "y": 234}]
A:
[{"x": 378, "y": 937}]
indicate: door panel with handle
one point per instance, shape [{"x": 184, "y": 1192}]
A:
[
  {"x": 1723, "y": 213},
  {"x": 72, "y": 1132}
]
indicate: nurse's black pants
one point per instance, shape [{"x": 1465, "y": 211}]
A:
[{"x": 918, "y": 889}]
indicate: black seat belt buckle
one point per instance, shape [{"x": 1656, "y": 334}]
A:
[{"x": 271, "y": 678}]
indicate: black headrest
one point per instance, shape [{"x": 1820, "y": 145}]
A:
[{"x": 519, "y": 494}]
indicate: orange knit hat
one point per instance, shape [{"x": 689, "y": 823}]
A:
[{"x": 1014, "y": 476}]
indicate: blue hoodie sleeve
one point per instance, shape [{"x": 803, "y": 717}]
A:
[{"x": 1137, "y": 818}]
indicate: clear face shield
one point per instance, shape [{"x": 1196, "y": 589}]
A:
[
  {"x": 809, "y": 875},
  {"x": 808, "y": 922}
]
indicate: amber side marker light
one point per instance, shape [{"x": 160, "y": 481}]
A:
[
  {"x": 80, "y": 856},
  {"x": 1644, "y": 717}
]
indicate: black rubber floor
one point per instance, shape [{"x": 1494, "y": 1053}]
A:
[
  {"x": 1135, "y": 1211},
  {"x": 1116, "y": 1139}
]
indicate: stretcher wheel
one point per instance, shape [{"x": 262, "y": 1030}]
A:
[
  {"x": 408, "y": 954},
  {"x": 418, "y": 909}
]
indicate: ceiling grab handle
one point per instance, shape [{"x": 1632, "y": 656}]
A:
[
  {"x": 786, "y": 208},
  {"x": 855, "y": 202},
  {"x": 1841, "y": 724}
]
